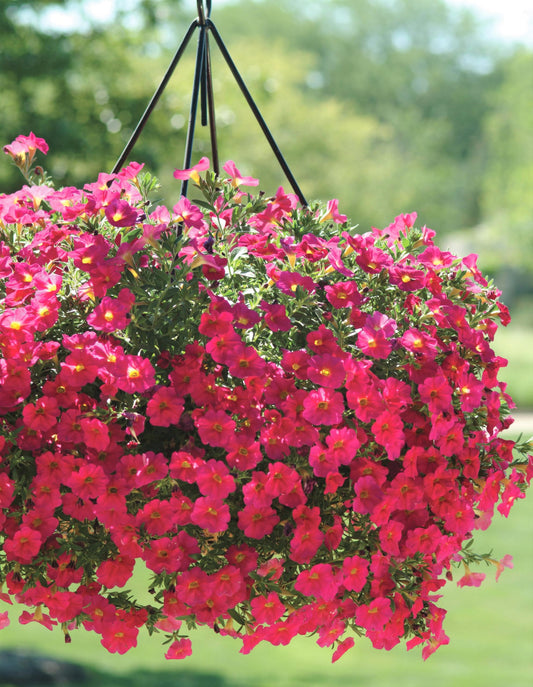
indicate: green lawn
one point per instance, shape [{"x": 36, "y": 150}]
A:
[{"x": 491, "y": 631}]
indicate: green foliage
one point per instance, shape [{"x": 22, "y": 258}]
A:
[{"x": 507, "y": 200}]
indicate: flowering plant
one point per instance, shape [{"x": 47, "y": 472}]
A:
[{"x": 294, "y": 427}]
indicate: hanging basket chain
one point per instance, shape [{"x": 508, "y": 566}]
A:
[{"x": 203, "y": 88}]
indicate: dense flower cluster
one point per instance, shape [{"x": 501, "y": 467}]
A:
[{"x": 294, "y": 427}]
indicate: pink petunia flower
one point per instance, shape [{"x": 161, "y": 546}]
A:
[
  {"x": 192, "y": 172},
  {"x": 24, "y": 545},
  {"x": 180, "y": 648},
  {"x": 165, "y": 407},
  {"x": 326, "y": 370},
  {"x": 332, "y": 213},
  {"x": 323, "y": 407},
  {"x": 26, "y": 145},
  {"x": 119, "y": 637},
  {"x": 119, "y": 213},
  {"x": 237, "y": 179},
  {"x": 257, "y": 522},
  {"x": 375, "y": 615},
  {"x": 355, "y": 573},
  {"x": 210, "y": 513},
  {"x": 320, "y": 581},
  {"x": 342, "y": 648},
  {"x": 267, "y": 609}
]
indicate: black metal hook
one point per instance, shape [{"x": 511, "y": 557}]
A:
[{"x": 203, "y": 15}]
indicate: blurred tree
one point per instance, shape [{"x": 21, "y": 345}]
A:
[
  {"x": 378, "y": 102},
  {"x": 507, "y": 201},
  {"x": 508, "y": 182},
  {"x": 82, "y": 90},
  {"x": 422, "y": 68}
]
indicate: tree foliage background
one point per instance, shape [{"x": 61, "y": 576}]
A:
[{"x": 388, "y": 105}]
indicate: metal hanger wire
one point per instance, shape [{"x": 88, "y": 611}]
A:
[{"x": 203, "y": 90}]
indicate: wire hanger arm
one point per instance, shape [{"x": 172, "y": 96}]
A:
[
  {"x": 203, "y": 89},
  {"x": 155, "y": 98},
  {"x": 259, "y": 117}
]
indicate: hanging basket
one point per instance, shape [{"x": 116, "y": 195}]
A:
[{"x": 294, "y": 427}]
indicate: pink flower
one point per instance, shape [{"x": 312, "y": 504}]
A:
[
  {"x": 296, "y": 362},
  {"x": 189, "y": 214},
  {"x": 165, "y": 407},
  {"x": 136, "y": 374},
  {"x": 119, "y": 637},
  {"x": 163, "y": 555},
  {"x": 390, "y": 535},
  {"x": 88, "y": 483},
  {"x": 26, "y": 145},
  {"x": 210, "y": 513},
  {"x": 257, "y": 522},
  {"x": 112, "y": 313},
  {"x": 343, "y": 294},
  {"x": 42, "y": 415},
  {"x": 245, "y": 362},
  {"x": 24, "y": 545},
  {"x": 388, "y": 430},
  {"x": 157, "y": 517},
  {"x": 183, "y": 466},
  {"x": 221, "y": 347},
  {"x": 470, "y": 579},
  {"x": 305, "y": 543},
  {"x": 437, "y": 393},
  {"x": 419, "y": 343},
  {"x": 276, "y": 317},
  {"x": 192, "y": 173},
  {"x": 332, "y": 213},
  {"x": 323, "y": 407},
  {"x": 290, "y": 282},
  {"x": 255, "y": 492},
  {"x": 215, "y": 427},
  {"x": 115, "y": 572},
  {"x": 180, "y": 648},
  {"x": 243, "y": 453},
  {"x": 319, "y": 581},
  {"x": 213, "y": 479},
  {"x": 119, "y": 213},
  {"x": 355, "y": 573},
  {"x": 343, "y": 444},
  {"x": 505, "y": 562},
  {"x": 236, "y": 177},
  {"x": 368, "y": 494},
  {"x": 342, "y": 648},
  {"x": 95, "y": 433},
  {"x": 326, "y": 370},
  {"x": 267, "y": 609},
  {"x": 374, "y": 343},
  {"x": 375, "y": 615}
]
